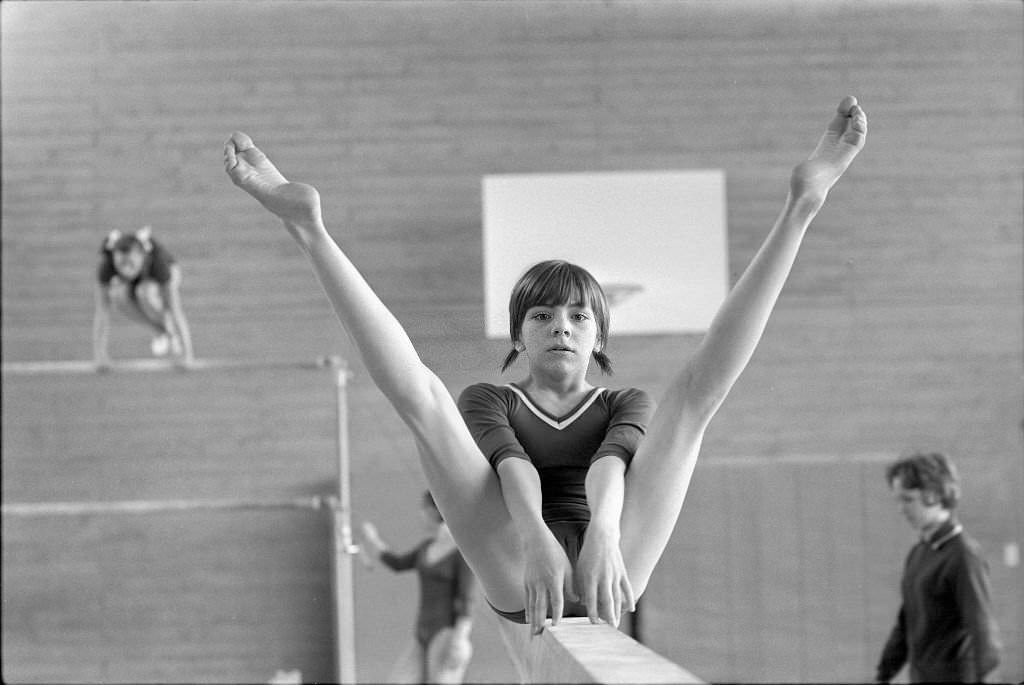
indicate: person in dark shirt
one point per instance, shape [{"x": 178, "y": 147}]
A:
[
  {"x": 138, "y": 277},
  {"x": 442, "y": 648},
  {"x": 945, "y": 629},
  {"x": 496, "y": 514}
]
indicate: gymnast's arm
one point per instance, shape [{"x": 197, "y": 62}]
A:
[
  {"x": 101, "y": 327},
  {"x": 171, "y": 292},
  {"x": 396, "y": 562},
  {"x": 399, "y": 562},
  {"x": 601, "y": 572},
  {"x": 548, "y": 574}
]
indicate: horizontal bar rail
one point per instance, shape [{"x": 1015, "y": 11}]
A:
[
  {"x": 338, "y": 505},
  {"x": 314, "y": 503},
  {"x": 82, "y": 366}
]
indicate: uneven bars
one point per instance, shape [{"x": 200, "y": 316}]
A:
[
  {"x": 82, "y": 366},
  {"x": 314, "y": 503},
  {"x": 342, "y": 547}
]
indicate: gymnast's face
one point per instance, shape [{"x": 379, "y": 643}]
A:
[
  {"x": 128, "y": 263},
  {"x": 559, "y": 338}
]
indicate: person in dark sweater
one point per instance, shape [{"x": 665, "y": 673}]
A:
[
  {"x": 945, "y": 629},
  {"x": 442, "y": 648}
]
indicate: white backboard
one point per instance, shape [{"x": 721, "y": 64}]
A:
[{"x": 655, "y": 240}]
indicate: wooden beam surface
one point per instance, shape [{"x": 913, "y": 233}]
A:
[{"x": 578, "y": 651}]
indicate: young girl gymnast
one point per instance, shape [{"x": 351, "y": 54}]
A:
[{"x": 546, "y": 529}]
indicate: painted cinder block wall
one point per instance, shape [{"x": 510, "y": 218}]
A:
[{"x": 899, "y": 328}]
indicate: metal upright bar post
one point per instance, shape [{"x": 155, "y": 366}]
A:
[{"x": 343, "y": 547}]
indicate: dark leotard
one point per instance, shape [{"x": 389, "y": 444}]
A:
[
  {"x": 446, "y": 588},
  {"x": 507, "y": 423}
]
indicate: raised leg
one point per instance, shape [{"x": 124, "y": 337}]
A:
[
  {"x": 464, "y": 485},
  {"x": 147, "y": 295},
  {"x": 660, "y": 474},
  {"x": 136, "y": 309}
]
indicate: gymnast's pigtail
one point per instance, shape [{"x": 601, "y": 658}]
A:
[
  {"x": 603, "y": 361},
  {"x": 145, "y": 237},
  {"x": 510, "y": 358},
  {"x": 111, "y": 241}
]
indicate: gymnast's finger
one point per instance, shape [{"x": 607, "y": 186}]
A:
[
  {"x": 537, "y": 615},
  {"x": 628, "y": 598},
  {"x": 606, "y": 602},
  {"x": 557, "y": 604}
]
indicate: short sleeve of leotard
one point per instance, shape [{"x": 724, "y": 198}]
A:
[
  {"x": 105, "y": 268},
  {"x": 104, "y": 272},
  {"x": 401, "y": 562},
  {"x": 486, "y": 409},
  {"x": 160, "y": 261},
  {"x": 631, "y": 411}
]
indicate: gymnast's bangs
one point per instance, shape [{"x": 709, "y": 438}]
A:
[{"x": 559, "y": 286}]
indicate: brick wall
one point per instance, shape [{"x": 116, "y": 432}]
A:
[{"x": 900, "y": 326}]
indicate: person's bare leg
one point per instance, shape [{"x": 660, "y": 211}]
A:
[
  {"x": 439, "y": 672},
  {"x": 463, "y": 483},
  {"x": 297, "y": 205},
  {"x": 408, "y": 667},
  {"x": 134, "y": 309},
  {"x": 660, "y": 473},
  {"x": 151, "y": 303},
  {"x": 516, "y": 638},
  {"x": 842, "y": 141}
]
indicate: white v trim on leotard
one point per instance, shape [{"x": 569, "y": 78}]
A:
[{"x": 557, "y": 424}]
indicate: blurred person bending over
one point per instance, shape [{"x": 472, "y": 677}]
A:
[{"x": 139, "y": 278}]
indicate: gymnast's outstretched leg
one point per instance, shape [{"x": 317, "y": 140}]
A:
[
  {"x": 660, "y": 473},
  {"x": 463, "y": 483}
]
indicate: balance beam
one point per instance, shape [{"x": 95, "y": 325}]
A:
[{"x": 578, "y": 651}]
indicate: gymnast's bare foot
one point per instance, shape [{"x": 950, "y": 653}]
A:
[
  {"x": 842, "y": 140},
  {"x": 296, "y": 204}
]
